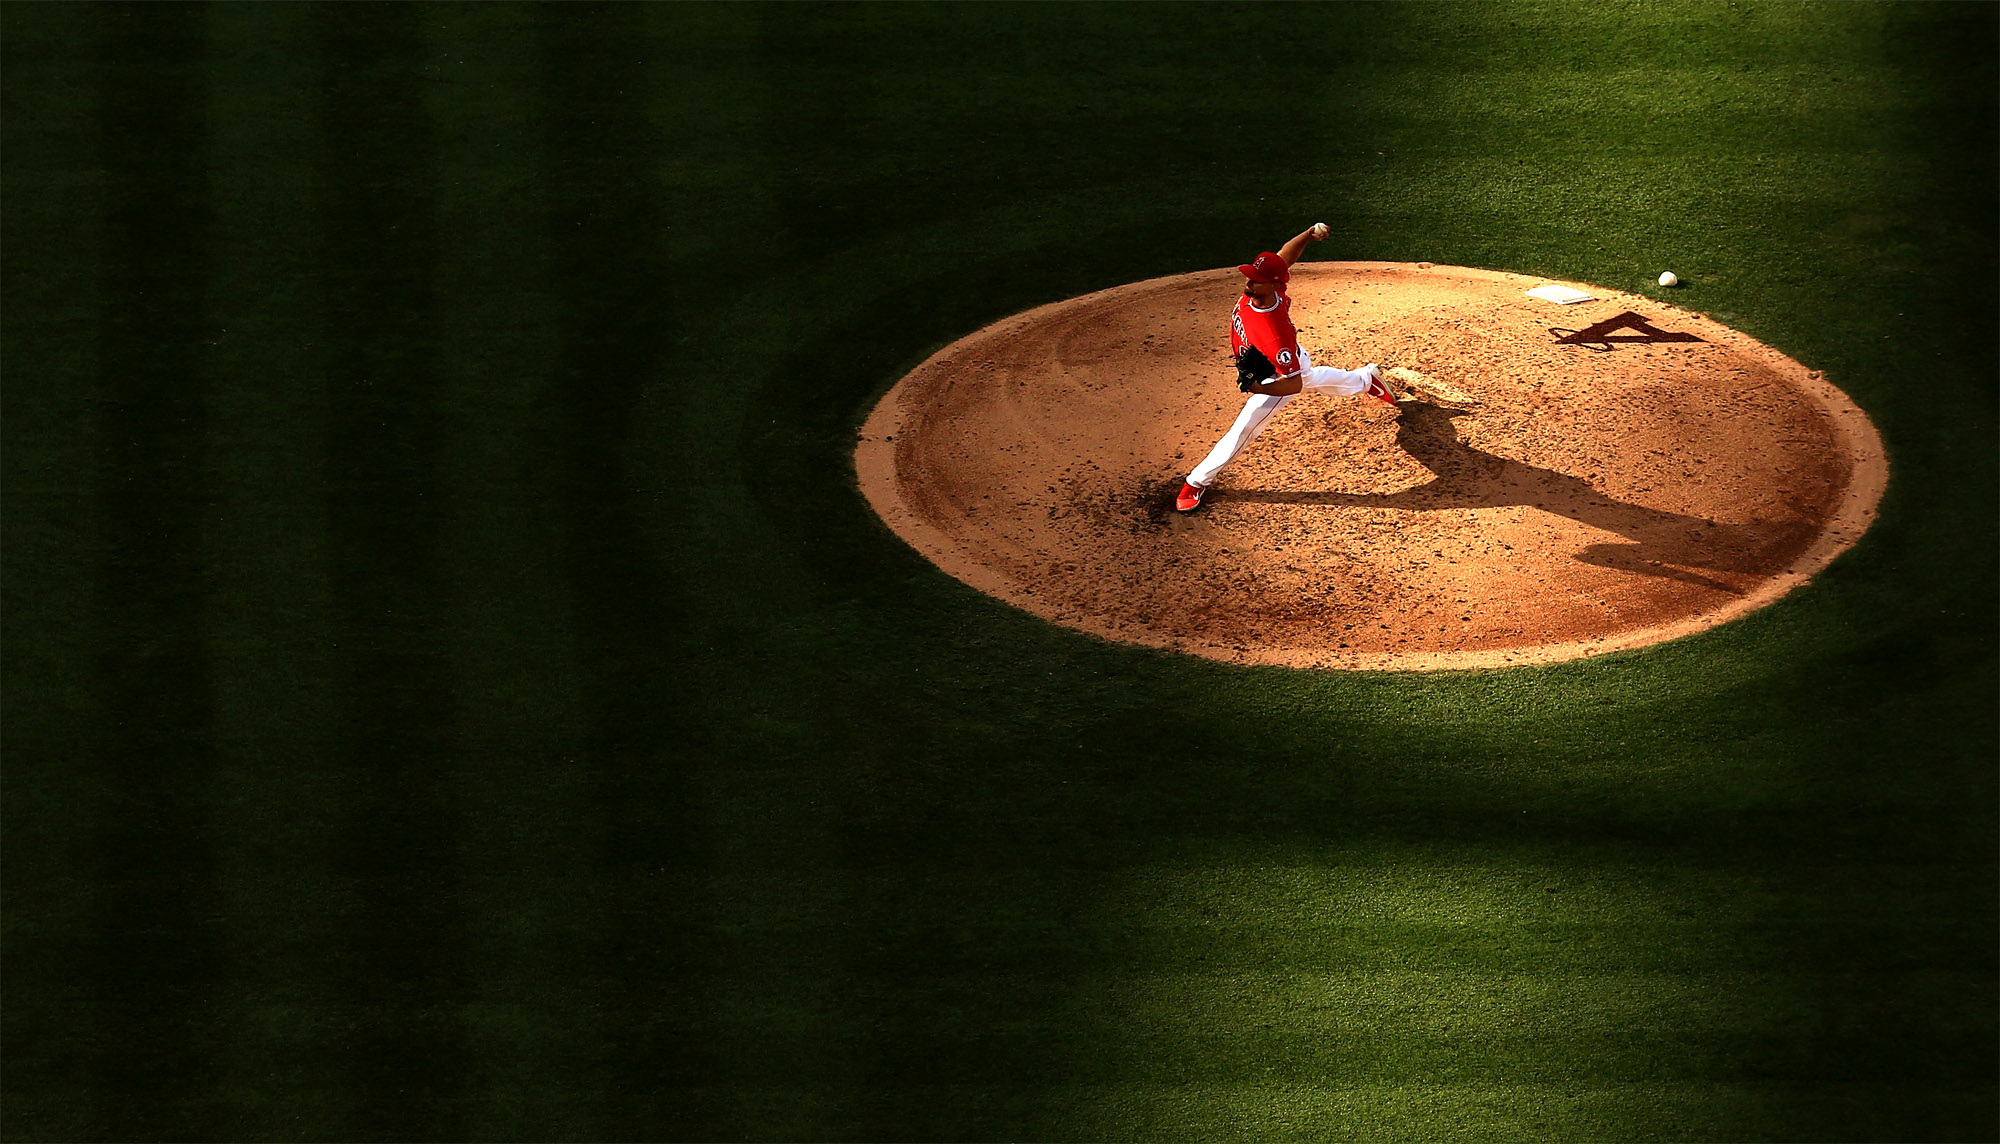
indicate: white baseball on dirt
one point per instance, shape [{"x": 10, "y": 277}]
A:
[{"x": 1667, "y": 278}]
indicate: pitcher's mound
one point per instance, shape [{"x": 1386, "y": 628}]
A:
[{"x": 1571, "y": 479}]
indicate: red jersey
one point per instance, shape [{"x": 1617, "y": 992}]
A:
[{"x": 1269, "y": 330}]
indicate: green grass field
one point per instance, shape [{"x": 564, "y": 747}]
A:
[{"x": 455, "y": 690}]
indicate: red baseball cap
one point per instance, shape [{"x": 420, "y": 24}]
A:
[{"x": 1268, "y": 268}]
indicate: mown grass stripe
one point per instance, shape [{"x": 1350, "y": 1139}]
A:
[
  {"x": 155, "y": 956},
  {"x": 51, "y": 231},
  {"x": 643, "y": 742},
  {"x": 401, "y": 975},
  {"x": 270, "y": 623},
  {"x": 534, "y": 1043}
]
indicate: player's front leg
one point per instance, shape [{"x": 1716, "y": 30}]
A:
[{"x": 1250, "y": 422}]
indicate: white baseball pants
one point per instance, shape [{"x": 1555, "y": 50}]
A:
[{"x": 1258, "y": 410}]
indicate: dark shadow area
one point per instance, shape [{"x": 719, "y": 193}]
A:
[
  {"x": 618, "y": 308},
  {"x": 1662, "y": 543},
  {"x": 156, "y": 949},
  {"x": 403, "y": 961}
]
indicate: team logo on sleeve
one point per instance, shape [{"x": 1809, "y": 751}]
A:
[{"x": 1285, "y": 358}]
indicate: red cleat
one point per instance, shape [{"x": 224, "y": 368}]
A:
[
  {"x": 1190, "y": 498},
  {"x": 1379, "y": 389}
]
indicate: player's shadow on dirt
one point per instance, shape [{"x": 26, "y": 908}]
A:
[{"x": 1666, "y": 544}]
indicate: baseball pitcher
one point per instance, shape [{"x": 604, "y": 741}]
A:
[{"x": 1270, "y": 366}]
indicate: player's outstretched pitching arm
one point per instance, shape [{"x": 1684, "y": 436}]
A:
[{"x": 1291, "y": 251}]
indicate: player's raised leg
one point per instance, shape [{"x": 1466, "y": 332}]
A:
[{"x": 1344, "y": 382}]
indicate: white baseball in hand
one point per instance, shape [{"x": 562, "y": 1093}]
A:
[{"x": 1319, "y": 231}]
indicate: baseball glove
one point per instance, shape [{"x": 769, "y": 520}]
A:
[{"x": 1253, "y": 369}]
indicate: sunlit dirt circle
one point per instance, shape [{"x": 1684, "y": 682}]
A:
[{"x": 1574, "y": 479}]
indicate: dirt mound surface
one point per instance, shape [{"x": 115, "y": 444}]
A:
[{"x": 1574, "y": 479}]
